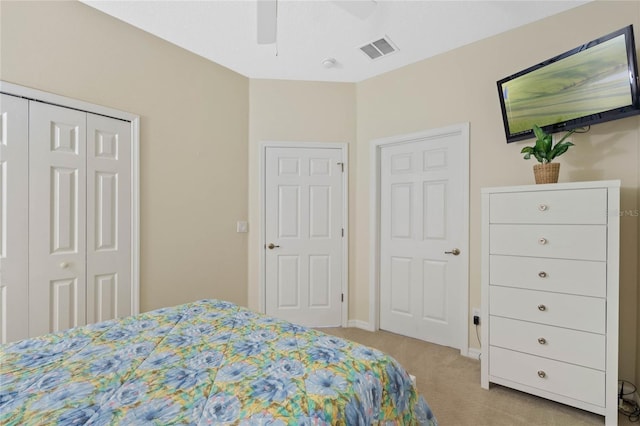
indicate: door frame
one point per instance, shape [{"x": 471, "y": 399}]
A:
[
  {"x": 374, "y": 224},
  {"x": 343, "y": 147},
  {"x": 63, "y": 101}
]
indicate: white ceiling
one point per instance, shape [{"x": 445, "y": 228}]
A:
[{"x": 310, "y": 31}]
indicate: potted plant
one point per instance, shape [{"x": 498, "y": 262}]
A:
[{"x": 544, "y": 151}]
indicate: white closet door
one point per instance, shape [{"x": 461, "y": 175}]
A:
[
  {"x": 108, "y": 218},
  {"x": 57, "y": 213},
  {"x": 14, "y": 190}
]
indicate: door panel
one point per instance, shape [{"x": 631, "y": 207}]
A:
[
  {"x": 421, "y": 206},
  {"x": 401, "y": 283},
  {"x": 57, "y": 226},
  {"x": 319, "y": 281},
  {"x": 64, "y": 304},
  {"x": 288, "y": 211},
  {"x": 288, "y": 282},
  {"x": 435, "y": 210},
  {"x": 434, "y": 290},
  {"x": 303, "y": 205},
  {"x": 108, "y": 218},
  {"x": 14, "y": 216}
]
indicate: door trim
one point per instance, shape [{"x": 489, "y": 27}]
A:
[
  {"x": 345, "y": 218},
  {"x": 374, "y": 224},
  {"x": 63, "y": 101}
]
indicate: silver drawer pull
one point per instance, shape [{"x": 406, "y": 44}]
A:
[
  {"x": 542, "y": 241},
  {"x": 542, "y": 374},
  {"x": 542, "y": 274},
  {"x": 542, "y": 340},
  {"x": 542, "y": 207},
  {"x": 542, "y": 308}
]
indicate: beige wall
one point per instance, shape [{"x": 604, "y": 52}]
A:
[
  {"x": 298, "y": 111},
  {"x": 459, "y": 86},
  {"x": 193, "y": 148},
  {"x": 201, "y": 125}
]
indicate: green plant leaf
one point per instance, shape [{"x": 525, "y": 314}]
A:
[
  {"x": 541, "y": 146},
  {"x": 538, "y": 132},
  {"x": 559, "y": 149},
  {"x": 527, "y": 150},
  {"x": 569, "y": 133},
  {"x": 548, "y": 143}
]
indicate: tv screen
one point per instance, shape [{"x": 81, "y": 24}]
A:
[{"x": 593, "y": 83}]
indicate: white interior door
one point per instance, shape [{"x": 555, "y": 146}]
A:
[
  {"x": 57, "y": 212},
  {"x": 303, "y": 234},
  {"x": 108, "y": 218},
  {"x": 14, "y": 218},
  {"x": 421, "y": 223}
]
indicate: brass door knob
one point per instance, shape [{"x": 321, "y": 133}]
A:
[
  {"x": 454, "y": 252},
  {"x": 271, "y": 246}
]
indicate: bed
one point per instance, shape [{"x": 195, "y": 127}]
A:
[{"x": 203, "y": 363}]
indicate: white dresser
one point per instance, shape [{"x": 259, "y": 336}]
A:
[{"x": 550, "y": 256}]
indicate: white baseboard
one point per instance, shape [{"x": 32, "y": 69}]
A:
[
  {"x": 474, "y": 353},
  {"x": 365, "y": 325}
]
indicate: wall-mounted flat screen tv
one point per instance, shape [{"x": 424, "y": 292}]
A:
[{"x": 593, "y": 83}]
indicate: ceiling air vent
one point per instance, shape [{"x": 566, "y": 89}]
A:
[{"x": 379, "y": 48}]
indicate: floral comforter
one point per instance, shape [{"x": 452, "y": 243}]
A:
[{"x": 202, "y": 363}]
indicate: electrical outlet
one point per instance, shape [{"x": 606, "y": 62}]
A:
[{"x": 475, "y": 316}]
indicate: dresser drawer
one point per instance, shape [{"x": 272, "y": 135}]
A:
[
  {"x": 583, "y": 384},
  {"x": 583, "y": 242},
  {"x": 561, "y": 344},
  {"x": 587, "y": 278},
  {"x": 563, "y": 310},
  {"x": 575, "y": 206}
]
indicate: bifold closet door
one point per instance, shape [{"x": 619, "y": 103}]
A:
[
  {"x": 57, "y": 218},
  {"x": 80, "y": 221},
  {"x": 108, "y": 218},
  {"x": 14, "y": 218}
]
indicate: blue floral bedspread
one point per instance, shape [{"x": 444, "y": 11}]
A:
[{"x": 202, "y": 363}]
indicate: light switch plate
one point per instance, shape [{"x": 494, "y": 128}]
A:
[{"x": 242, "y": 226}]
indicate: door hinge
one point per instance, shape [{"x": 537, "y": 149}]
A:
[
  {"x": 342, "y": 232},
  {"x": 342, "y": 297},
  {"x": 341, "y": 166}
]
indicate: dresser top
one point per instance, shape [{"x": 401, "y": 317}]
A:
[{"x": 555, "y": 186}]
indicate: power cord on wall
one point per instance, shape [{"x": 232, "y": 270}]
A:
[
  {"x": 476, "y": 322},
  {"x": 627, "y": 406}
]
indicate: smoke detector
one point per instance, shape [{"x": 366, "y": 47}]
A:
[
  {"x": 329, "y": 62},
  {"x": 379, "y": 48}
]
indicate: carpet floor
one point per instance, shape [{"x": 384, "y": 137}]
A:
[{"x": 450, "y": 383}]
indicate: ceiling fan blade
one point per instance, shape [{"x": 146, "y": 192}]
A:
[{"x": 267, "y": 19}]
